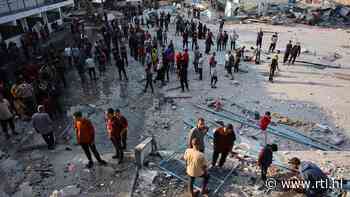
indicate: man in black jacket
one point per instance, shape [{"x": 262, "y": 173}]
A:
[
  {"x": 120, "y": 65},
  {"x": 287, "y": 52},
  {"x": 296, "y": 50},
  {"x": 265, "y": 159}
]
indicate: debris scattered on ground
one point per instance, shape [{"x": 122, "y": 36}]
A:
[
  {"x": 71, "y": 190},
  {"x": 288, "y": 121},
  {"x": 283, "y": 14}
]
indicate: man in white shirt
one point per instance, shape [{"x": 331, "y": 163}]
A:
[
  {"x": 6, "y": 117},
  {"x": 90, "y": 63}
]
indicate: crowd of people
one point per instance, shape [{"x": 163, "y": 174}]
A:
[{"x": 35, "y": 93}]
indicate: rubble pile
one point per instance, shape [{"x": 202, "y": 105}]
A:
[
  {"x": 284, "y": 14},
  {"x": 159, "y": 184},
  {"x": 12, "y": 174},
  {"x": 39, "y": 168}
]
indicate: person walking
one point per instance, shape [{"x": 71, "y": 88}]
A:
[
  {"x": 259, "y": 38},
  {"x": 6, "y": 117},
  {"x": 257, "y": 52},
  {"x": 265, "y": 159},
  {"x": 233, "y": 39},
  {"x": 296, "y": 50},
  {"x": 123, "y": 53},
  {"x": 90, "y": 64},
  {"x": 85, "y": 133},
  {"x": 219, "y": 41},
  {"x": 43, "y": 125},
  {"x": 196, "y": 166},
  {"x": 165, "y": 37},
  {"x": 224, "y": 138},
  {"x": 199, "y": 132},
  {"x": 185, "y": 40},
  {"x": 274, "y": 40},
  {"x": 287, "y": 52},
  {"x": 263, "y": 124},
  {"x": 224, "y": 40},
  {"x": 273, "y": 67},
  {"x": 196, "y": 59},
  {"x": 200, "y": 66},
  {"x": 183, "y": 71},
  {"x": 102, "y": 62},
  {"x": 208, "y": 43},
  {"x": 194, "y": 40},
  {"x": 121, "y": 66},
  {"x": 214, "y": 75},
  {"x": 149, "y": 76}
]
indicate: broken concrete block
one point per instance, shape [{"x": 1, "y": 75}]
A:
[
  {"x": 142, "y": 150},
  {"x": 148, "y": 176}
]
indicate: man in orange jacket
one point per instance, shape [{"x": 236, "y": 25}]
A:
[{"x": 85, "y": 133}]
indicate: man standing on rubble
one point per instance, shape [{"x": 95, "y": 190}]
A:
[
  {"x": 112, "y": 133},
  {"x": 312, "y": 174},
  {"x": 196, "y": 166},
  {"x": 199, "y": 132},
  {"x": 85, "y": 133},
  {"x": 287, "y": 52},
  {"x": 265, "y": 159},
  {"x": 264, "y": 123},
  {"x": 224, "y": 138},
  {"x": 296, "y": 50},
  {"x": 122, "y": 126},
  {"x": 259, "y": 38}
]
